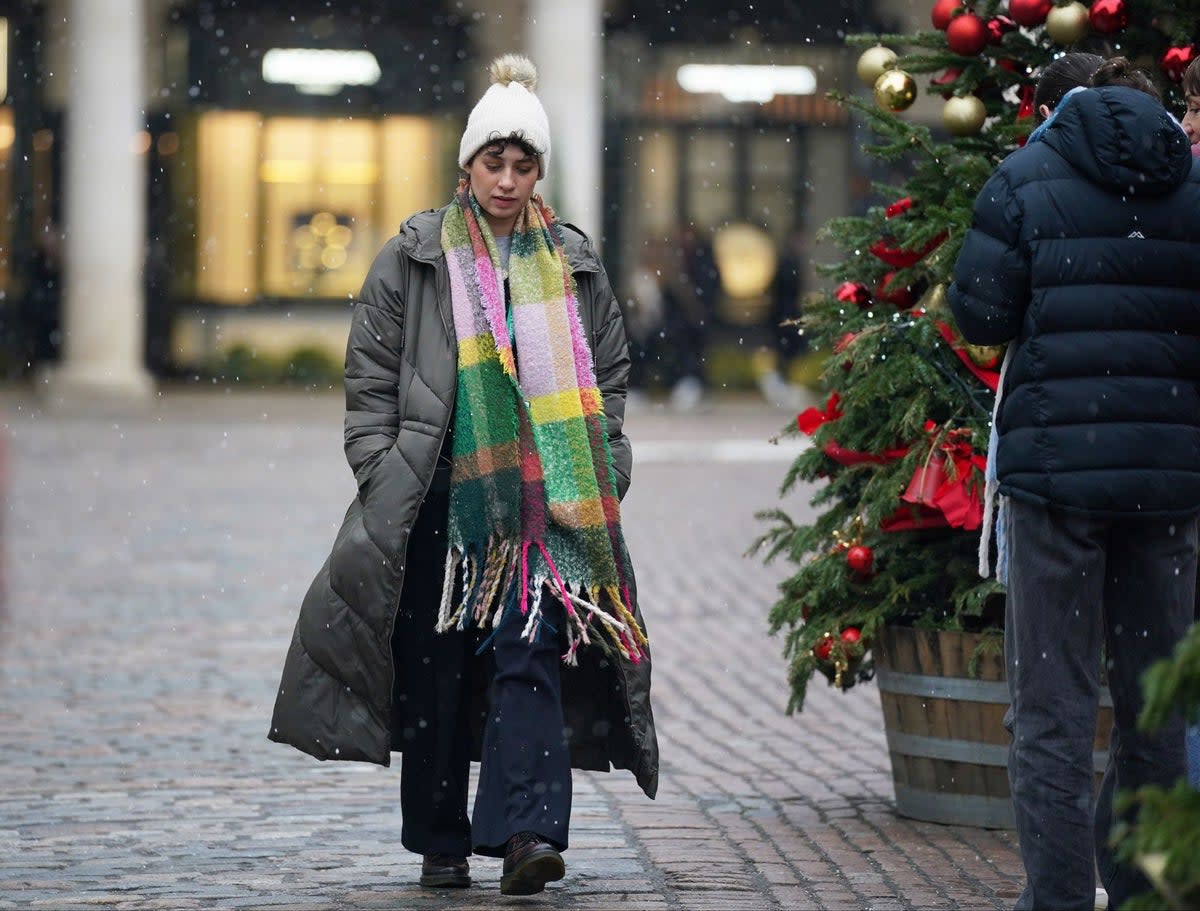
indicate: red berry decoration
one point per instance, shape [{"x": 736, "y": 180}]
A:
[
  {"x": 943, "y": 11},
  {"x": 823, "y": 649},
  {"x": 998, "y": 27},
  {"x": 1029, "y": 12},
  {"x": 967, "y": 35},
  {"x": 860, "y": 558},
  {"x": 1109, "y": 16},
  {"x": 853, "y": 293},
  {"x": 851, "y": 635},
  {"x": 946, "y": 78},
  {"x": 1175, "y": 60}
]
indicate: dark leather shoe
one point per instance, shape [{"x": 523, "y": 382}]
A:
[
  {"x": 529, "y": 863},
  {"x": 444, "y": 871}
]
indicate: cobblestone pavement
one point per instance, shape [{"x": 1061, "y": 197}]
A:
[{"x": 155, "y": 565}]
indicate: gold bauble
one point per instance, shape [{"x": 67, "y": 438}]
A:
[
  {"x": 873, "y": 62},
  {"x": 895, "y": 91},
  {"x": 1068, "y": 24},
  {"x": 933, "y": 300},
  {"x": 964, "y": 115},
  {"x": 985, "y": 356}
]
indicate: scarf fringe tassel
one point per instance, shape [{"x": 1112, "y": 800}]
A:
[{"x": 496, "y": 579}]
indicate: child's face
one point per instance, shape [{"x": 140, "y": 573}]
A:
[{"x": 1191, "y": 118}]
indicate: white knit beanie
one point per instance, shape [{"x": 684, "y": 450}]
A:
[{"x": 508, "y": 108}]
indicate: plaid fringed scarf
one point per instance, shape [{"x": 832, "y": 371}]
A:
[{"x": 533, "y": 503}]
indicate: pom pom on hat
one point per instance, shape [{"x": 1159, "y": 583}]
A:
[
  {"x": 514, "y": 68},
  {"x": 508, "y": 108}
]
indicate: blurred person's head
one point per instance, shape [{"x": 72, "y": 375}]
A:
[
  {"x": 506, "y": 145},
  {"x": 1060, "y": 76},
  {"x": 1191, "y": 95},
  {"x": 1119, "y": 71}
]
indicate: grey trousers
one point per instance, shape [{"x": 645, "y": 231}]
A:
[{"x": 1076, "y": 583}]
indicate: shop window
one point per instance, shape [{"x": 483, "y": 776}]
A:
[
  {"x": 296, "y": 207},
  {"x": 227, "y": 229},
  {"x": 774, "y": 175},
  {"x": 711, "y": 178},
  {"x": 319, "y": 181},
  {"x": 7, "y": 137}
]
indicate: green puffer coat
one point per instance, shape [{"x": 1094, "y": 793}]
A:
[{"x": 334, "y": 700}]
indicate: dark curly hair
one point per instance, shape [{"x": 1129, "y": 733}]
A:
[{"x": 496, "y": 144}]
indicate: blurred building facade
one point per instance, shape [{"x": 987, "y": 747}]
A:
[{"x": 186, "y": 179}]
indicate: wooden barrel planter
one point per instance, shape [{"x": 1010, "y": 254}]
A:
[{"x": 945, "y": 727}]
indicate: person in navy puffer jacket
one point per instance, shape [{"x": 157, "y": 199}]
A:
[{"x": 1084, "y": 256}]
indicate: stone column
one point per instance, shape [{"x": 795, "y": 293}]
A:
[
  {"x": 566, "y": 41},
  {"x": 104, "y": 191}
]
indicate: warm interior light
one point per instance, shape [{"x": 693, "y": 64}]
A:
[
  {"x": 3, "y": 58},
  {"x": 320, "y": 71},
  {"x": 747, "y": 83},
  {"x": 746, "y": 259}
]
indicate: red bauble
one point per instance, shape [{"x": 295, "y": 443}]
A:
[
  {"x": 823, "y": 649},
  {"x": 1025, "y": 109},
  {"x": 945, "y": 79},
  {"x": 892, "y": 292},
  {"x": 1109, "y": 16},
  {"x": 1029, "y": 12},
  {"x": 998, "y": 27},
  {"x": 851, "y": 634},
  {"x": 1175, "y": 60},
  {"x": 900, "y": 206},
  {"x": 943, "y": 11},
  {"x": 860, "y": 558},
  {"x": 853, "y": 293},
  {"x": 967, "y": 35}
]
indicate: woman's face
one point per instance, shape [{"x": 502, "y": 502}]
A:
[
  {"x": 502, "y": 179},
  {"x": 1191, "y": 119}
]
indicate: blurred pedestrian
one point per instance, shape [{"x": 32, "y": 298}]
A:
[
  {"x": 787, "y": 289},
  {"x": 690, "y": 308},
  {"x": 485, "y": 389},
  {"x": 1082, "y": 256},
  {"x": 644, "y": 318}
]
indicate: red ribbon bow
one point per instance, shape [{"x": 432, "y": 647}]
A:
[
  {"x": 943, "y": 483},
  {"x": 989, "y": 378},
  {"x": 810, "y": 419}
]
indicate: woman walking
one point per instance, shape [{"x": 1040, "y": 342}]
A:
[{"x": 479, "y": 600}]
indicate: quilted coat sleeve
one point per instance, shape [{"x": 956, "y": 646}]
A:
[
  {"x": 990, "y": 290},
  {"x": 612, "y": 375},
  {"x": 373, "y": 353}
]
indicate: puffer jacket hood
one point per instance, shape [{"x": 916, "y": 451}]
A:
[{"x": 1121, "y": 139}]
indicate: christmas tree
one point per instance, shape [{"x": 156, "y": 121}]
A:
[{"x": 899, "y": 445}]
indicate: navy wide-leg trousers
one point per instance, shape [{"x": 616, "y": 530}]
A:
[{"x": 525, "y": 773}]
